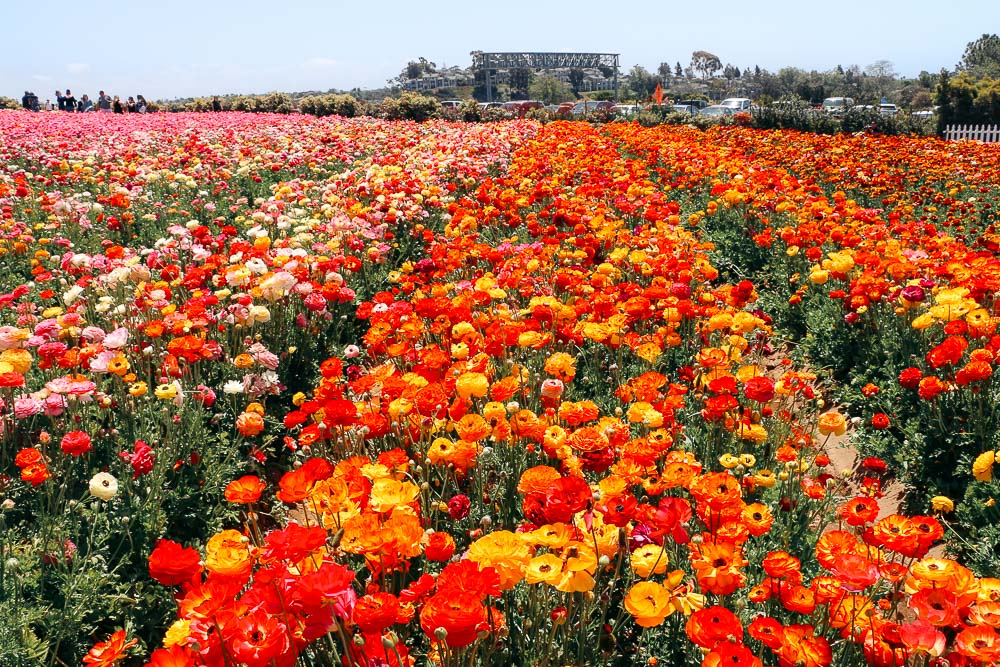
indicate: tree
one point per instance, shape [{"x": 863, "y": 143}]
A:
[
  {"x": 576, "y": 79},
  {"x": 706, "y": 63},
  {"x": 641, "y": 82},
  {"x": 416, "y": 69},
  {"x": 520, "y": 81},
  {"x": 547, "y": 88},
  {"x": 665, "y": 72},
  {"x": 678, "y": 70},
  {"x": 982, "y": 57},
  {"x": 882, "y": 71}
]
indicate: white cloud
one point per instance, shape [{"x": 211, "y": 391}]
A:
[
  {"x": 321, "y": 62},
  {"x": 41, "y": 77},
  {"x": 77, "y": 68}
]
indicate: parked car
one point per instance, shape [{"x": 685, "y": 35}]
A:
[
  {"x": 697, "y": 104},
  {"x": 686, "y": 108},
  {"x": 451, "y": 104},
  {"x": 717, "y": 111},
  {"x": 521, "y": 107},
  {"x": 923, "y": 113},
  {"x": 627, "y": 109},
  {"x": 590, "y": 106},
  {"x": 837, "y": 104},
  {"x": 737, "y": 104},
  {"x": 888, "y": 109}
]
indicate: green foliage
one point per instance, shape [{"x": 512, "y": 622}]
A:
[
  {"x": 409, "y": 106},
  {"x": 982, "y": 57},
  {"x": 547, "y": 88},
  {"x": 347, "y": 106},
  {"x": 9, "y": 103},
  {"x": 965, "y": 100}
]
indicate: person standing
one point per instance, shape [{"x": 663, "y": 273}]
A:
[
  {"x": 103, "y": 102},
  {"x": 60, "y": 101},
  {"x": 86, "y": 104},
  {"x": 130, "y": 105},
  {"x": 140, "y": 104},
  {"x": 216, "y": 104},
  {"x": 116, "y": 105},
  {"x": 26, "y": 100},
  {"x": 69, "y": 102}
]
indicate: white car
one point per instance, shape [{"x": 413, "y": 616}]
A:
[
  {"x": 737, "y": 104},
  {"x": 888, "y": 109}
]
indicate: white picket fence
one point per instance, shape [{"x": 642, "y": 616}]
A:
[{"x": 987, "y": 133}]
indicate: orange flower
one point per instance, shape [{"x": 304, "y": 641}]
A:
[
  {"x": 107, "y": 653},
  {"x": 832, "y": 423},
  {"x": 227, "y": 554},
  {"x": 245, "y": 490},
  {"x": 249, "y": 424}
]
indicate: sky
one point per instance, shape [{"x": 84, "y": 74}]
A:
[{"x": 186, "y": 48}]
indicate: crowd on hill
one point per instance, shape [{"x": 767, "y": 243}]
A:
[{"x": 68, "y": 102}]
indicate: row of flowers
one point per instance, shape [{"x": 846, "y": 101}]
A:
[{"x": 553, "y": 431}]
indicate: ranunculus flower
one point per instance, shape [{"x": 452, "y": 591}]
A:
[
  {"x": 172, "y": 564},
  {"x": 75, "y": 443},
  {"x": 104, "y": 486}
]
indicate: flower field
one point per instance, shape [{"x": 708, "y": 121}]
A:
[{"x": 280, "y": 390}]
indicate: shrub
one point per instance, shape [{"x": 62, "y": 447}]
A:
[
  {"x": 410, "y": 106},
  {"x": 332, "y": 105}
]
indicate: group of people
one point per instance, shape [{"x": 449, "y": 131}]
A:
[{"x": 67, "y": 102}]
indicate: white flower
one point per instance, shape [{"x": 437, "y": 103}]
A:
[
  {"x": 233, "y": 387},
  {"x": 104, "y": 486}
]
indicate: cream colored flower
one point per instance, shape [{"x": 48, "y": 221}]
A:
[{"x": 104, "y": 486}]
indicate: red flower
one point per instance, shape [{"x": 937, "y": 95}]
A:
[
  {"x": 707, "y": 627},
  {"x": 258, "y": 639},
  {"x": 880, "y": 421},
  {"x": 293, "y": 543},
  {"x": 75, "y": 443},
  {"x": 172, "y": 565},
  {"x": 440, "y": 546},
  {"x": 175, "y": 656},
  {"x": 759, "y": 388},
  {"x": 455, "y": 618},
  {"x": 910, "y": 378},
  {"x": 458, "y": 507},
  {"x": 375, "y": 612},
  {"x": 141, "y": 459}
]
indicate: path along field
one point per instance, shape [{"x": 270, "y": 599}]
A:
[{"x": 357, "y": 392}]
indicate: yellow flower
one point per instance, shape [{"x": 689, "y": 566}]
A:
[
  {"x": 505, "y": 551},
  {"x": 472, "y": 384},
  {"x": 166, "y": 391},
  {"x": 649, "y": 559},
  {"x": 546, "y": 568},
  {"x": 754, "y": 433},
  {"x": 942, "y": 504},
  {"x": 764, "y": 479},
  {"x": 728, "y": 461},
  {"x": 649, "y": 603},
  {"x": 137, "y": 389},
  {"x": 982, "y": 467},
  {"x": 388, "y": 494}
]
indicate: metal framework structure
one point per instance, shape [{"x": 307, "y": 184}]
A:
[{"x": 488, "y": 61}]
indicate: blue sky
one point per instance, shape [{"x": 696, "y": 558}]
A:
[{"x": 186, "y": 47}]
